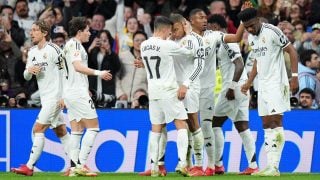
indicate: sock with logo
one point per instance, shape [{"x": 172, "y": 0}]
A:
[
  {"x": 86, "y": 144},
  {"x": 249, "y": 148},
  {"x": 198, "y": 143},
  {"x": 209, "y": 141},
  {"x": 219, "y": 145},
  {"x": 37, "y": 147}
]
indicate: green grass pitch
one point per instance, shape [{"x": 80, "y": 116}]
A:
[{"x": 132, "y": 176}]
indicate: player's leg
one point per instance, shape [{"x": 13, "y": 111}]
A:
[
  {"x": 182, "y": 144},
  {"x": 36, "y": 150},
  {"x": 206, "y": 114},
  {"x": 249, "y": 146},
  {"x": 219, "y": 142}
]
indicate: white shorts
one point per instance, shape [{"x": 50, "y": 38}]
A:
[
  {"x": 206, "y": 103},
  {"x": 50, "y": 114},
  {"x": 273, "y": 100},
  {"x": 166, "y": 110},
  {"x": 81, "y": 108},
  {"x": 191, "y": 101},
  {"x": 236, "y": 110}
]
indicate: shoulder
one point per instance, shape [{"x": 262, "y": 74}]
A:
[
  {"x": 269, "y": 28},
  {"x": 54, "y": 47}
]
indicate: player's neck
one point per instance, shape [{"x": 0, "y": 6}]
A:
[
  {"x": 41, "y": 44},
  {"x": 78, "y": 38},
  {"x": 197, "y": 32},
  {"x": 159, "y": 35}
]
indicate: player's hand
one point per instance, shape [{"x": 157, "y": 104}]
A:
[
  {"x": 106, "y": 75},
  {"x": 247, "y": 4},
  {"x": 182, "y": 91},
  {"x": 61, "y": 104},
  {"x": 230, "y": 94},
  {"x": 244, "y": 88},
  {"x": 294, "y": 85},
  {"x": 35, "y": 70},
  {"x": 138, "y": 63},
  {"x": 187, "y": 27}
]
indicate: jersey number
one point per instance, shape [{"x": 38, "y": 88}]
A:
[{"x": 153, "y": 58}]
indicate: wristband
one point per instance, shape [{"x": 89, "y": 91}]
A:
[
  {"x": 97, "y": 72},
  {"x": 186, "y": 83},
  {"x": 294, "y": 74},
  {"x": 233, "y": 85}
]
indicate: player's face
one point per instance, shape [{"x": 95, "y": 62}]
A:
[
  {"x": 199, "y": 21},
  {"x": 177, "y": 31},
  {"x": 253, "y": 26},
  {"x": 85, "y": 35},
  {"x": 36, "y": 34},
  {"x": 168, "y": 32}
]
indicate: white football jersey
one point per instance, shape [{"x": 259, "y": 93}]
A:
[
  {"x": 157, "y": 55},
  {"x": 211, "y": 39},
  {"x": 227, "y": 53},
  {"x": 267, "y": 49},
  {"x": 189, "y": 68},
  {"x": 76, "y": 84},
  {"x": 50, "y": 59}
]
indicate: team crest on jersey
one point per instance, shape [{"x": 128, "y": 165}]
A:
[
  {"x": 263, "y": 39},
  {"x": 251, "y": 44},
  {"x": 45, "y": 56},
  {"x": 76, "y": 53}
]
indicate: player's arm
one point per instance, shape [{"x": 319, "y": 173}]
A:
[
  {"x": 234, "y": 38},
  {"x": 294, "y": 82},
  {"x": 30, "y": 69},
  {"x": 246, "y": 86},
  {"x": 239, "y": 66}
]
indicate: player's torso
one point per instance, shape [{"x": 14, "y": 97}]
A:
[
  {"x": 49, "y": 78},
  {"x": 159, "y": 66}
]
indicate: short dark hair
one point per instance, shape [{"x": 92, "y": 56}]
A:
[
  {"x": 162, "y": 21},
  {"x": 308, "y": 91},
  {"x": 306, "y": 56},
  {"x": 247, "y": 14},
  {"x": 44, "y": 27},
  {"x": 6, "y": 7},
  {"x": 174, "y": 17},
  {"x": 140, "y": 32},
  {"x": 194, "y": 11},
  {"x": 110, "y": 38},
  {"x": 218, "y": 19},
  {"x": 26, "y": 1},
  {"x": 77, "y": 24}
]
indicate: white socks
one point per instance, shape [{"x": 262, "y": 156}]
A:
[
  {"x": 182, "y": 146},
  {"x": 190, "y": 149},
  {"x": 86, "y": 144},
  {"x": 65, "y": 141},
  {"x": 198, "y": 143},
  {"x": 154, "y": 150},
  {"x": 162, "y": 145},
  {"x": 74, "y": 147},
  {"x": 249, "y": 148},
  {"x": 209, "y": 141},
  {"x": 274, "y": 142},
  {"x": 37, "y": 147},
  {"x": 219, "y": 145}
]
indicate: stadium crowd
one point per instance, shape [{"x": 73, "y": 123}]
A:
[{"x": 118, "y": 27}]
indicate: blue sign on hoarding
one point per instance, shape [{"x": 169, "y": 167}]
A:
[{"x": 122, "y": 144}]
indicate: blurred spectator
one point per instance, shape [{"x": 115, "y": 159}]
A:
[
  {"x": 233, "y": 8},
  {"x": 131, "y": 78},
  {"x": 22, "y": 16},
  {"x": 21, "y": 100},
  {"x": 306, "y": 99},
  {"x": 59, "y": 39},
  {"x": 9, "y": 55},
  {"x": 270, "y": 9},
  {"x": 140, "y": 99},
  {"x": 161, "y": 7},
  {"x": 96, "y": 25},
  {"x": 125, "y": 38},
  {"x": 307, "y": 68},
  {"x": 219, "y": 7},
  {"x": 11, "y": 25},
  {"x": 300, "y": 31},
  {"x": 103, "y": 58},
  {"x": 314, "y": 16},
  {"x": 315, "y": 40}
]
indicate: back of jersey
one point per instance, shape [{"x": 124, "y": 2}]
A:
[
  {"x": 76, "y": 84},
  {"x": 157, "y": 56}
]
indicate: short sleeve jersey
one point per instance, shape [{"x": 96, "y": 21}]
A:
[
  {"x": 227, "y": 53},
  {"x": 267, "y": 48},
  {"x": 158, "y": 56},
  {"x": 76, "y": 83},
  {"x": 184, "y": 65},
  {"x": 211, "y": 39},
  {"x": 50, "y": 59}
]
